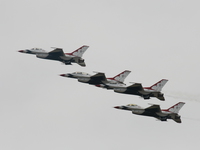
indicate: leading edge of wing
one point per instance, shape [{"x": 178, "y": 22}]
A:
[
  {"x": 137, "y": 86},
  {"x": 57, "y": 51},
  {"x": 99, "y": 76},
  {"x": 153, "y": 108}
]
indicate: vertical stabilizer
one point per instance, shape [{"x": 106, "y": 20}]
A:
[
  {"x": 121, "y": 77},
  {"x": 79, "y": 52},
  {"x": 159, "y": 85},
  {"x": 176, "y": 108}
]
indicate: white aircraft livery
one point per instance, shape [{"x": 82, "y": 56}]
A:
[
  {"x": 145, "y": 92},
  {"x": 155, "y": 111},
  {"x": 99, "y": 79},
  {"x": 59, "y": 55}
]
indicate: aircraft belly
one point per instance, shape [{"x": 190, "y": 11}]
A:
[
  {"x": 53, "y": 57},
  {"x": 42, "y": 55},
  {"x": 147, "y": 113},
  {"x": 143, "y": 92},
  {"x": 138, "y": 111},
  {"x": 84, "y": 80},
  {"x": 65, "y": 58},
  {"x": 120, "y": 90},
  {"x": 161, "y": 114},
  {"x": 151, "y": 114},
  {"x": 94, "y": 82},
  {"x": 126, "y": 91}
]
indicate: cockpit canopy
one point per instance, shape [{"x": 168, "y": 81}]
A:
[
  {"x": 131, "y": 105},
  {"x": 81, "y": 73},
  {"x": 37, "y": 49},
  {"x": 134, "y": 105}
]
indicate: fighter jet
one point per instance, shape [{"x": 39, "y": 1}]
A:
[
  {"x": 116, "y": 81},
  {"x": 155, "y": 111},
  {"x": 99, "y": 79},
  {"x": 59, "y": 55},
  {"x": 145, "y": 92}
]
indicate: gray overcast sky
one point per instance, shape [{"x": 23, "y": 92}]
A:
[{"x": 154, "y": 39}]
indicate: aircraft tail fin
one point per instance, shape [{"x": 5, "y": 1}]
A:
[
  {"x": 79, "y": 52},
  {"x": 121, "y": 77},
  {"x": 158, "y": 86},
  {"x": 175, "y": 109}
]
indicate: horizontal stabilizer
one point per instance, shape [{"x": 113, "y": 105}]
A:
[
  {"x": 159, "y": 96},
  {"x": 79, "y": 61},
  {"x": 176, "y": 118}
]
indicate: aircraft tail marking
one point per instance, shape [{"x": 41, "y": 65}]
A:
[
  {"x": 79, "y": 52},
  {"x": 121, "y": 77},
  {"x": 176, "y": 107},
  {"x": 158, "y": 86}
]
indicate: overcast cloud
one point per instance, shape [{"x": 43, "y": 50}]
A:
[{"x": 154, "y": 39}]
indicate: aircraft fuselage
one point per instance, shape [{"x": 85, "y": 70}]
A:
[
  {"x": 58, "y": 55},
  {"x": 162, "y": 115},
  {"x": 146, "y": 94}
]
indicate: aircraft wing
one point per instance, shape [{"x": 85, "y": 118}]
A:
[
  {"x": 153, "y": 108},
  {"x": 135, "y": 86},
  {"x": 99, "y": 76},
  {"x": 57, "y": 52}
]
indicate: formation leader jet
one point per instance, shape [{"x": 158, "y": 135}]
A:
[
  {"x": 59, "y": 55},
  {"x": 155, "y": 111},
  {"x": 145, "y": 92},
  {"x": 99, "y": 79}
]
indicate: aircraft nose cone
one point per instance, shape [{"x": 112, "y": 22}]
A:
[
  {"x": 63, "y": 75},
  {"x": 117, "y": 107},
  {"x": 67, "y": 75},
  {"x": 21, "y": 51}
]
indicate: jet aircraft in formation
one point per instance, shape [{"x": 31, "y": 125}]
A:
[
  {"x": 145, "y": 92},
  {"x": 155, "y": 111},
  {"x": 116, "y": 83},
  {"x": 99, "y": 79},
  {"x": 59, "y": 55}
]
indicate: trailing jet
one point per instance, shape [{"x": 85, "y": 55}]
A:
[
  {"x": 59, "y": 55},
  {"x": 116, "y": 81},
  {"x": 155, "y": 111},
  {"x": 99, "y": 79},
  {"x": 145, "y": 92}
]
